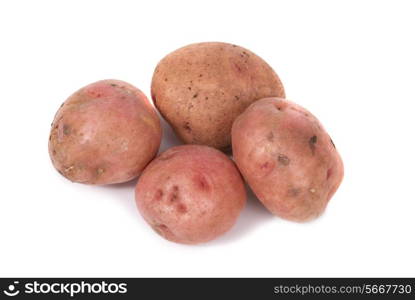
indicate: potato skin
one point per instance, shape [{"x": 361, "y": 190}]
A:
[
  {"x": 104, "y": 133},
  {"x": 287, "y": 158},
  {"x": 201, "y": 88},
  {"x": 190, "y": 194}
]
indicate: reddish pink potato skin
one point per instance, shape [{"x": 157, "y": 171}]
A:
[
  {"x": 287, "y": 158},
  {"x": 104, "y": 133},
  {"x": 190, "y": 194}
]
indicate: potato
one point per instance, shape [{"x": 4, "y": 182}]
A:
[
  {"x": 200, "y": 89},
  {"x": 287, "y": 158},
  {"x": 190, "y": 194},
  {"x": 106, "y": 132}
]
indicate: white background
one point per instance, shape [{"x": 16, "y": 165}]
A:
[{"x": 351, "y": 63}]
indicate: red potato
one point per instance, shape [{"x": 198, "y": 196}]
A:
[
  {"x": 201, "y": 88},
  {"x": 104, "y": 133},
  {"x": 287, "y": 158},
  {"x": 190, "y": 194}
]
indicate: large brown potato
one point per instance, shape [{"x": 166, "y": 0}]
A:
[
  {"x": 190, "y": 194},
  {"x": 200, "y": 89},
  {"x": 106, "y": 132},
  {"x": 287, "y": 158}
]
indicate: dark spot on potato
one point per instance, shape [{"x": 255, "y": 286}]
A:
[
  {"x": 331, "y": 141},
  {"x": 270, "y": 136},
  {"x": 187, "y": 127},
  {"x": 54, "y": 152},
  {"x": 62, "y": 104},
  {"x": 265, "y": 165},
  {"x": 161, "y": 229},
  {"x": 293, "y": 192},
  {"x": 159, "y": 195},
  {"x": 100, "y": 171},
  {"x": 50, "y": 137},
  {"x": 237, "y": 67},
  {"x": 329, "y": 172},
  {"x": 174, "y": 196},
  {"x": 237, "y": 97},
  {"x": 206, "y": 98},
  {"x": 123, "y": 98},
  {"x": 200, "y": 75},
  {"x": 66, "y": 129},
  {"x": 60, "y": 172},
  {"x": 312, "y": 143},
  {"x": 283, "y": 160},
  {"x": 113, "y": 84},
  {"x": 181, "y": 208},
  {"x": 190, "y": 106},
  {"x": 234, "y": 46},
  {"x": 201, "y": 182},
  {"x": 189, "y": 88},
  {"x": 165, "y": 79},
  {"x": 195, "y": 95}
]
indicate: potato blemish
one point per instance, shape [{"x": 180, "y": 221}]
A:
[
  {"x": 283, "y": 160},
  {"x": 66, "y": 129},
  {"x": 174, "y": 196},
  {"x": 312, "y": 143},
  {"x": 181, "y": 208},
  {"x": 201, "y": 182},
  {"x": 100, "y": 171},
  {"x": 161, "y": 229},
  {"x": 159, "y": 195},
  {"x": 187, "y": 127},
  {"x": 293, "y": 192}
]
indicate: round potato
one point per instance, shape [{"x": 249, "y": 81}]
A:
[
  {"x": 200, "y": 89},
  {"x": 106, "y": 132},
  {"x": 287, "y": 158},
  {"x": 190, "y": 194}
]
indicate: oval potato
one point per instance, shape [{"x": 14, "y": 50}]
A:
[
  {"x": 200, "y": 89},
  {"x": 191, "y": 194},
  {"x": 104, "y": 133},
  {"x": 287, "y": 158}
]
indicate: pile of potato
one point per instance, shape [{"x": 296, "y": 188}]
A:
[{"x": 218, "y": 98}]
